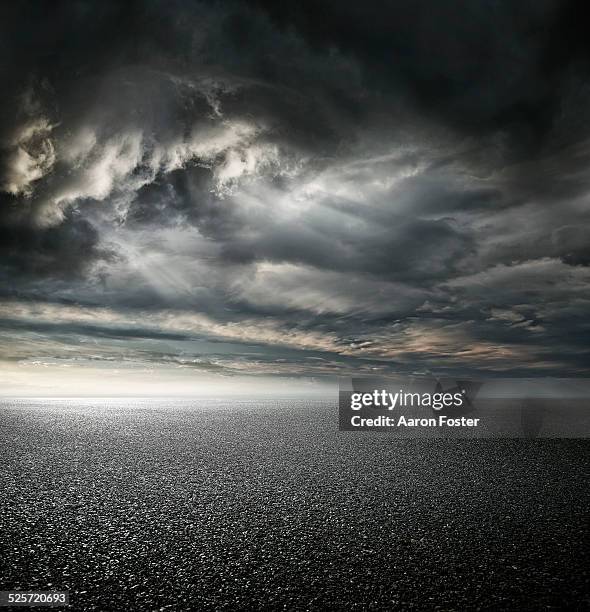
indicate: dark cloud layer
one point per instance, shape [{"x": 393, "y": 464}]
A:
[{"x": 394, "y": 185}]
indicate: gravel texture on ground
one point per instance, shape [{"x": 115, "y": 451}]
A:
[{"x": 188, "y": 505}]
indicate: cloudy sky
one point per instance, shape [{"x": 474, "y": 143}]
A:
[{"x": 199, "y": 194}]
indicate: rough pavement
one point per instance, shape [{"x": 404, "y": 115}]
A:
[{"x": 158, "y": 505}]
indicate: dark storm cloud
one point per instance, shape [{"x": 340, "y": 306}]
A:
[
  {"x": 387, "y": 180},
  {"x": 481, "y": 66},
  {"x": 397, "y": 249}
]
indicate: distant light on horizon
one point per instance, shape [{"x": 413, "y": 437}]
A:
[{"x": 25, "y": 380}]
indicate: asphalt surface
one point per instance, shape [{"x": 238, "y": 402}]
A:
[{"x": 229, "y": 506}]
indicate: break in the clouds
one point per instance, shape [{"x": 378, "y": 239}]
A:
[{"x": 292, "y": 190}]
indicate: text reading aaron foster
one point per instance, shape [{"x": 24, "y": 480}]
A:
[{"x": 382, "y": 399}]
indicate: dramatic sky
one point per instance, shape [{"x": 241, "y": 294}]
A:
[{"x": 199, "y": 194}]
